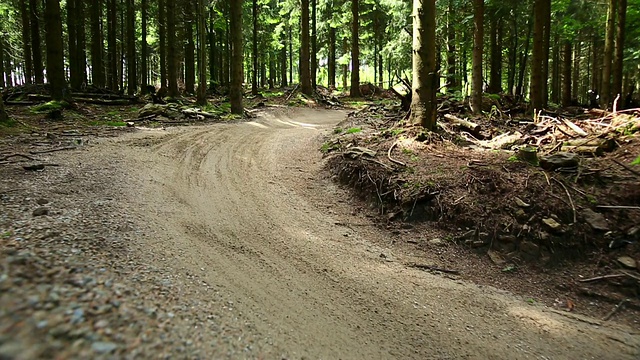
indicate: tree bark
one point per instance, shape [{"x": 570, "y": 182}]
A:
[
  {"x": 537, "y": 57},
  {"x": 55, "y": 56},
  {"x": 305, "y": 71},
  {"x": 355, "y": 49},
  {"x": 81, "y": 36},
  {"x": 423, "y": 102},
  {"x": 495, "y": 77},
  {"x": 190, "y": 47},
  {"x": 566, "y": 73},
  {"x": 72, "y": 45},
  {"x": 35, "y": 42},
  {"x": 254, "y": 55},
  {"x": 618, "y": 64},
  {"x": 132, "y": 79},
  {"x": 202, "y": 54},
  {"x": 605, "y": 94},
  {"x": 283, "y": 60},
  {"x": 172, "y": 53},
  {"x": 112, "y": 25},
  {"x": 314, "y": 44},
  {"x": 452, "y": 80},
  {"x": 546, "y": 49},
  {"x": 235, "y": 93},
  {"x": 332, "y": 57},
  {"x": 3, "y": 114},
  {"x": 26, "y": 42},
  {"x": 144, "y": 51},
  {"x": 478, "y": 45},
  {"x": 162, "y": 30}
]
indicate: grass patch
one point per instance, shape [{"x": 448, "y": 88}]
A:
[
  {"x": 354, "y": 130},
  {"x": 337, "y": 131},
  {"x": 108, "y": 123}
]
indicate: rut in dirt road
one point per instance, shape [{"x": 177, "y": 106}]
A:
[{"x": 241, "y": 205}]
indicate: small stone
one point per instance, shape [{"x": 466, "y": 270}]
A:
[
  {"x": 437, "y": 242},
  {"x": 627, "y": 262},
  {"x": 596, "y": 220},
  {"x": 103, "y": 347},
  {"x": 520, "y": 215},
  {"x": 41, "y": 211},
  {"x": 559, "y": 160},
  {"x": 529, "y": 248},
  {"x": 521, "y": 203},
  {"x": 552, "y": 224},
  {"x": 634, "y": 232},
  {"x": 101, "y": 324},
  {"x": 42, "y": 201}
]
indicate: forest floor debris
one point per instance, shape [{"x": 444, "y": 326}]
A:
[{"x": 553, "y": 198}]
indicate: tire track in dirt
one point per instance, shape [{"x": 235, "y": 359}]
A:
[{"x": 229, "y": 212}]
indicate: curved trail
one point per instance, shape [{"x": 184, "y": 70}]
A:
[{"x": 240, "y": 206}]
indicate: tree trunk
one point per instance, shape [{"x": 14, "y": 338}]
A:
[
  {"x": 172, "y": 53},
  {"x": 97, "y": 66},
  {"x": 537, "y": 57},
  {"x": 332, "y": 57},
  {"x": 213, "y": 51},
  {"x": 144, "y": 57},
  {"x": 619, "y": 50},
  {"x": 575, "y": 77},
  {"x": 305, "y": 71},
  {"x": 132, "y": 78},
  {"x": 55, "y": 56},
  {"x": 26, "y": 42},
  {"x": 495, "y": 78},
  {"x": 35, "y": 42},
  {"x": 283, "y": 60},
  {"x": 355, "y": 49},
  {"x": 112, "y": 25},
  {"x": 2, "y": 69},
  {"x": 566, "y": 73},
  {"x": 424, "y": 87},
  {"x": 3, "y": 114},
  {"x": 555, "y": 71},
  {"x": 452, "y": 80},
  {"x": 190, "y": 48},
  {"x": 345, "y": 67},
  {"x": 523, "y": 64},
  {"x": 254, "y": 55},
  {"x": 235, "y": 93},
  {"x": 202, "y": 54},
  {"x": 162, "y": 30},
  {"x": 605, "y": 94},
  {"x": 478, "y": 45},
  {"x": 74, "y": 79},
  {"x": 290, "y": 55},
  {"x": 545, "y": 56},
  {"x": 314, "y": 44},
  {"x": 81, "y": 49}
]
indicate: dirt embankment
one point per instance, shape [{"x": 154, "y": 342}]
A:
[{"x": 226, "y": 241}]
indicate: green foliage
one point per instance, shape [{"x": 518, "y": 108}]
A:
[
  {"x": 49, "y": 106},
  {"x": 636, "y": 161},
  {"x": 354, "y": 130}
]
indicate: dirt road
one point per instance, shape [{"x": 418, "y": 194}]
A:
[{"x": 240, "y": 208}]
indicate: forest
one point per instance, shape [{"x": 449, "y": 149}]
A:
[{"x": 550, "y": 53}]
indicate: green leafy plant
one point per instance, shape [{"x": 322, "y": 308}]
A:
[
  {"x": 354, "y": 130},
  {"x": 636, "y": 161}
]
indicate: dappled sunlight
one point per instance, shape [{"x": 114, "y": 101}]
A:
[
  {"x": 256, "y": 124},
  {"x": 532, "y": 316}
]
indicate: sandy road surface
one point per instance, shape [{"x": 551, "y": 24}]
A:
[{"x": 240, "y": 206}]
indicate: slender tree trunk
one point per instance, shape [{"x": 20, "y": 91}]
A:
[
  {"x": 355, "y": 49},
  {"x": 235, "y": 93},
  {"x": 132, "y": 78},
  {"x": 283, "y": 55},
  {"x": 26, "y": 42},
  {"x": 605, "y": 94},
  {"x": 537, "y": 58},
  {"x": 423, "y": 102},
  {"x": 555, "y": 71},
  {"x": 81, "y": 49},
  {"x": 172, "y": 51},
  {"x": 566, "y": 73},
  {"x": 305, "y": 72},
  {"x": 381, "y": 69},
  {"x": 254, "y": 57},
  {"x": 35, "y": 42},
  {"x": 112, "y": 26},
  {"x": 290, "y": 55},
  {"x": 122, "y": 45},
  {"x": 144, "y": 51},
  {"x": 478, "y": 45},
  {"x": 332, "y": 57},
  {"x": 345, "y": 67},
  {"x": 3, "y": 114},
  {"x": 495, "y": 76},
  {"x": 55, "y": 56},
  {"x": 2, "y": 59},
  {"x": 73, "y": 45},
  {"x": 272, "y": 69},
  {"x": 190, "y": 47},
  {"x": 523, "y": 64},
  {"x": 202, "y": 54},
  {"x": 619, "y": 50},
  {"x": 213, "y": 51},
  {"x": 595, "y": 64},
  {"x": 314, "y": 43},
  {"x": 452, "y": 81},
  {"x": 575, "y": 77},
  {"x": 162, "y": 30},
  {"x": 546, "y": 49}
]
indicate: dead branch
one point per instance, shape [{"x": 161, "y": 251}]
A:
[
  {"x": 626, "y": 167},
  {"x": 570, "y": 199},
  {"x": 7, "y": 157},
  {"x": 618, "y": 207},
  {"x": 392, "y": 159},
  {"x": 51, "y": 150},
  {"x": 616, "y": 308},
  {"x": 603, "y": 277},
  {"x": 433, "y": 268}
]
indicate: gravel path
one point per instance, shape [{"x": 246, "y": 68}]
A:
[{"x": 225, "y": 242}]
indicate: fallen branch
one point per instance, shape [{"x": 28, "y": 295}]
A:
[
  {"x": 433, "y": 268},
  {"x": 626, "y": 167},
  {"x": 51, "y": 150},
  {"x": 615, "y": 309},
  {"x": 473, "y": 127},
  {"x": 618, "y": 207},
  {"x": 392, "y": 159},
  {"x": 7, "y": 157},
  {"x": 603, "y": 277}
]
